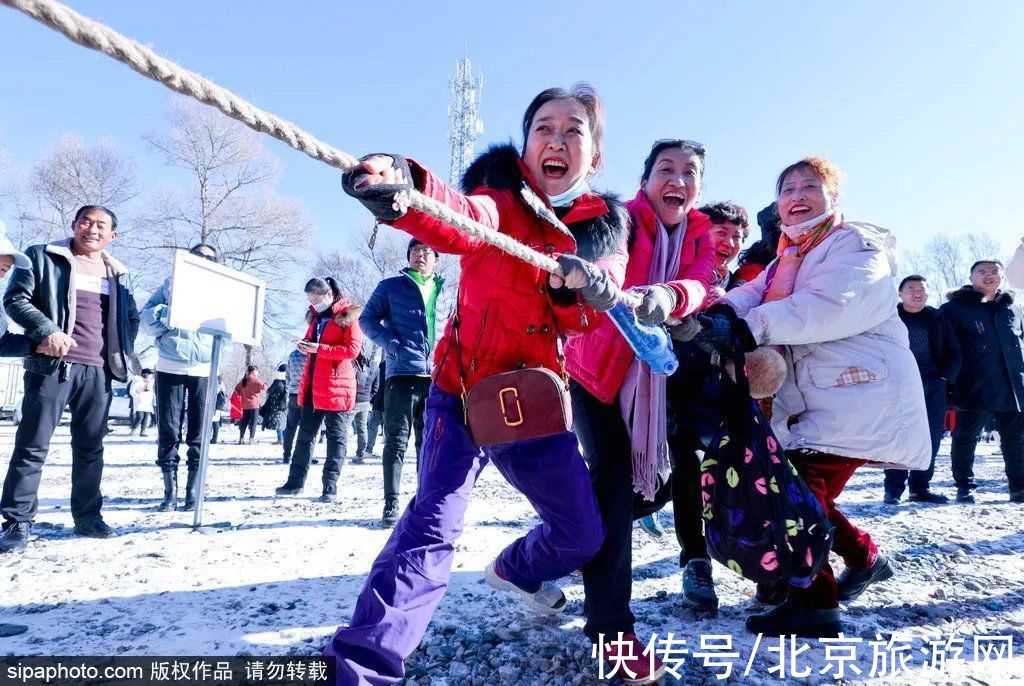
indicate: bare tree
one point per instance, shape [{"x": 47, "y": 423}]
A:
[
  {"x": 372, "y": 258},
  {"x": 6, "y": 180},
  {"x": 946, "y": 260},
  {"x": 68, "y": 176},
  {"x": 230, "y": 203}
]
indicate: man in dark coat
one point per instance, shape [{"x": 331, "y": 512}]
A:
[
  {"x": 367, "y": 385},
  {"x": 939, "y": 360},
  {"x": 76, "y": 306},
  {"x": 988, "y": 326}
]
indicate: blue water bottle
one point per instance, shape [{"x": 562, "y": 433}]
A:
[{"x": 650, "y": 343}]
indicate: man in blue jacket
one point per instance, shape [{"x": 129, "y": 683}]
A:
[
  {"x": 401, "y": 318},
  {"x": 182, "y": 374}
]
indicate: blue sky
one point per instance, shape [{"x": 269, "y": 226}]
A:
[{"x": 919, "y": 102}]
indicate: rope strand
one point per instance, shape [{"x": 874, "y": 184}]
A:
[{"x": 97, "y": 36}]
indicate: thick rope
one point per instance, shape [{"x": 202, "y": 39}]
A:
[{"x": 99, "y": 37}]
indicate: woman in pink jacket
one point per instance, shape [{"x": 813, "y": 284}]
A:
[{"x": 618, "y": 404}]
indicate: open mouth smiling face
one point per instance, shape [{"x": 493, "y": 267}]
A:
[
  {"x": 560, "y": 147},
  {"x": 803, "y": 196},
  {"x": 674, "y": 184}
]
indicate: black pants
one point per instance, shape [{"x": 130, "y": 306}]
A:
[
  {"x": 337, "y": 424},
  {"x": 359, "y": 422},
  {"x": 86, "y": 390},
  {"x": 216, "y": 432},
  {"x": 291, "y": 424},
  {"x": 248, "y": 420},
  {"x": 935, "y": 404},
  {"x": 141, "y": 420},
  {"x": 373, "y": 426},
  {"x": 181, "y": 401},
  {"x": 608, "y": 577},
  {"x": 969, "y": 424},
  {"x": 404, "y": 399},
  {"x": 687, "y": 508}
]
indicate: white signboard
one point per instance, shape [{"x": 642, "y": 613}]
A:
[{"x": 214, "y": 299}]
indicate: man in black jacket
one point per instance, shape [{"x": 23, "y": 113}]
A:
[
  {"x": 988, "y": 325},
  {"x": 76, "y": 306},
  {"x": 938, "y": 359}
]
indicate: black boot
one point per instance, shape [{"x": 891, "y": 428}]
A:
[
  {"x": 170, "y": 501},
  {"x": 390, "y": 517},
  {"x": 928, "y": 496},
  {"x": 296, "y": 480},
  {"x": 850, "y": 584},
  {"x": 15, "y": 536},
  {"x": 191, "y": 490},
  {"x": 94, "y": 527},
  {"x": 804, "y": 622},
  {"x": 772, "y": 594},
  {"x": 330, "y": 492}
]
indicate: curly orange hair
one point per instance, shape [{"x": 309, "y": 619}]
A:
[{"x": 823, "y": 168}]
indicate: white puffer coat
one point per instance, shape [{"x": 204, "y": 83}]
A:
[{"x": 852, "y": 386}]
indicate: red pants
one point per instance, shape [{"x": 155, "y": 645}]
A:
[{"x": 826, "y": 475}]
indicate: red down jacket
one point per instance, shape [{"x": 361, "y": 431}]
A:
[
  {"x": 509, "y": 318},
  {"x": 599, "y": 361},
  {"x": 332, "y": 371}
]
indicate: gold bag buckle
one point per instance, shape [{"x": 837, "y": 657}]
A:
[{"x": 504, "y": 410}]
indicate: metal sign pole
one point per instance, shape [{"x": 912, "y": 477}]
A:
[{"x": 204, "y": 452}]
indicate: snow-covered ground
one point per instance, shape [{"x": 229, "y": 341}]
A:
[{"x": 285, "y": 574}]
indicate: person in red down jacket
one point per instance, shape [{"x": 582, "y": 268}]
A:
[
  {"x": 327, "y": 391},
  {"x": 249, "y": 390},
  {"x": 510, "y": 315},
  {"x": 618, "y": 403}
]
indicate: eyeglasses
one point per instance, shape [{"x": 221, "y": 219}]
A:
[{"x": 684, "y": 143}]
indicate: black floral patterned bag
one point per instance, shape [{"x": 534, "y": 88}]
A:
[{"x": 761, "y": 520}]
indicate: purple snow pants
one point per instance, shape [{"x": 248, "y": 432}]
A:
[{"x": 411, "y": 573}]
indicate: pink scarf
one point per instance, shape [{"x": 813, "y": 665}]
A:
[
  {"x": 642, "y": 396},
  {"x": 794, "y": 244}
]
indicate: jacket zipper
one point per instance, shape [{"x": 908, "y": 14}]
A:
[{"x": 480, "y": 334}]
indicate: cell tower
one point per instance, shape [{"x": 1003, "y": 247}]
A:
[{"x": 464, "y": 126}]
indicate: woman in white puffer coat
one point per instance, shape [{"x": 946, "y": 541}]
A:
[{"x": 852, "y": 394}]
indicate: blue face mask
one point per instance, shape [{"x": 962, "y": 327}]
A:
[{"x": 568, "y": 197}]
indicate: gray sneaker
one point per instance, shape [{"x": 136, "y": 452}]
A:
[
  {"x": 699, "y": 586},
  {"x": 548, "y": 599}
]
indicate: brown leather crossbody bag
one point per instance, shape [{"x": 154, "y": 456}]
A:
[{"x": 516, "y": 405}]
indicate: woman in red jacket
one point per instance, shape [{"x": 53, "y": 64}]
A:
[
  {"x": 249, "y": 390},
  {"x": 327, "y": 391},
  {"x": 618, "y": 403},
  {"x": 509, "y": 316}
]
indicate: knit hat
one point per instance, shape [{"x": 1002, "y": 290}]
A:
[
  {"x": 7, "y": 248},
  {"x": 413, "y": 243}
]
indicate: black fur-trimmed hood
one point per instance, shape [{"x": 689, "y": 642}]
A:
[
  {"x": 499, "y": 167},
  {"x": 967, "y": 295}
]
